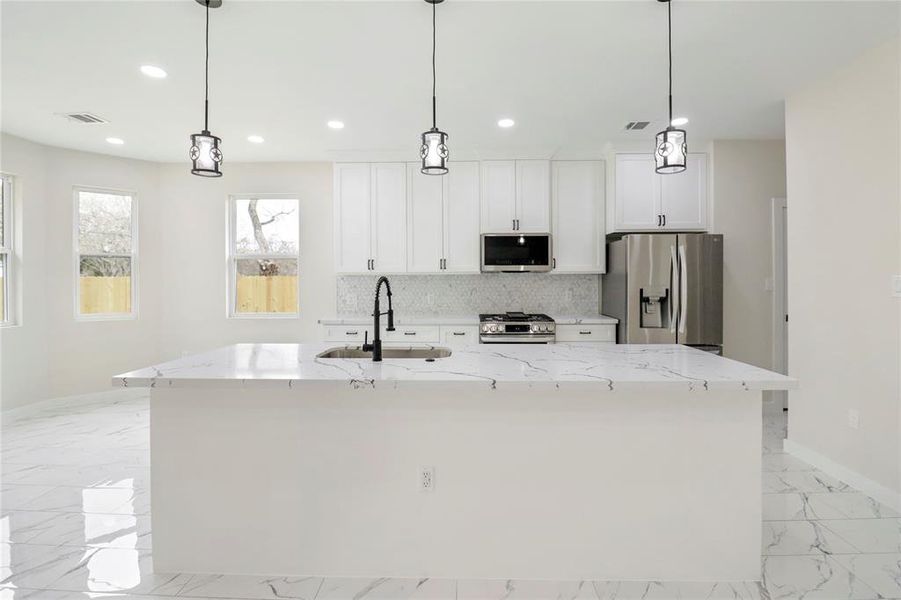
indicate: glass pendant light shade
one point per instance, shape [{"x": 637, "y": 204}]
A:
[
  {"x": 206, "y": 157},
  {"x": 671, "y": 151},
  {"x": 434, "y": 152}
]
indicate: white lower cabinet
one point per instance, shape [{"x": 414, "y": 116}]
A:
[
  {"x": 586, "y": 333},
  {"x": 414, "y": 334},
  {"x": 459, "y": 335},
  {"x": 345, "y": 333}
]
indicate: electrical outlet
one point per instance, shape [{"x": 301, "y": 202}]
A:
[
  {"x": 426, "y": 479},
  {"x": 430, "y": 299},
  {"x": 896, "y": 286},
  {"x": 853, "y": 418}
]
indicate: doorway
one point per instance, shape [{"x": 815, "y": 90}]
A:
[{"x": 780, "y": 294}]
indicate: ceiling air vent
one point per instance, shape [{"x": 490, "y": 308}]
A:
[
  {"x": 84, "y": 117},
  {"x": 636, "y": 125}
]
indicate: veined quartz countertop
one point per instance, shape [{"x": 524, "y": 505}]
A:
[
  {"x": 467, "y": 320},
  {"x": 554, "y": 367}
]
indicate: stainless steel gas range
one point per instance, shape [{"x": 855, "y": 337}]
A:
[{"x": 516, "y": 328}]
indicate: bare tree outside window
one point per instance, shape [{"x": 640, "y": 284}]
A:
[
  {"x": 105, "y": 230},
  {"x": 264, "y": 238}
]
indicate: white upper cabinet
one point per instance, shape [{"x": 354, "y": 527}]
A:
[
  {"x": 646, "y": 201},
  {"x": 637, "y": 193},
  {"x": 370, "y": 217},
  {"x": 533, "y": 193},
  {"x": 443, "y": 220},
  {"x": 352, "y": 218},
  {"x": 516, "y": 196},
  {"x": 425, "y": 215},
  {"x": 683, "y": 196},
  {"x": 389, "y": 217},
  {"x": 498, "y": 204},
  {"x": 577, "y": 194},
  {"x": 461, "y": 218}
]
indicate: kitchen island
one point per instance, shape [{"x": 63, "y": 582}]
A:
[{"x": 560, "y": 461}]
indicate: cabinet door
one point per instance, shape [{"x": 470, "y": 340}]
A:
[
  {"x": 461, "y": 218},
  {"x": 683, "y": 196},
  {"x": 637, "y": 200},
  {"x": 498, "y": 200},
  {"x": 352, "y": 218},
  {"x": 460, "y": 335},
  {"x": 424, "y": 221},
  {"x": 533, "y": 195},
  {"x": 389, "y": 217},
  {"x": 578, "y": 209}
]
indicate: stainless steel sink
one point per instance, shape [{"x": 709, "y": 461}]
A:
[{"x": 387, "y": 352}]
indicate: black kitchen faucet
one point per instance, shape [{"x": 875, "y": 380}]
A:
[{"x": 376, "y": 346}]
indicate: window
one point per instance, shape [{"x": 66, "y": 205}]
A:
[
  {"x": 105, "y": 254},
  {"x": 6, "y": 251},
  {"x": 263, "y": 256}
]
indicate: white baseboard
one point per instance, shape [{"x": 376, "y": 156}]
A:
[
  {"x": 863, "y": 484},
  {"x": 113, "y": 395}
]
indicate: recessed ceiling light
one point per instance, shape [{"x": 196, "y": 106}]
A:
[
  {"x": 679, "y": 121},
  {"x": 505, "y": 123},
  {"x": 152, "y": 71},
  {"x": 115, "y": 141},
  {"x": 255, "y": 139},
  {"x": 336, "y": 124}
]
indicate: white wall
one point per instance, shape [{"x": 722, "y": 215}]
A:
[
  {"x": 192, "y": 248},
  {"x": 746, "y": 176},
  {"x": 844, "y": 231},
  {"x": 182, "y": 304},
  {"x": 23, "y": 348}
]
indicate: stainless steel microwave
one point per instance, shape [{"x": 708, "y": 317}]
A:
[{"x": 516, "y": 252}]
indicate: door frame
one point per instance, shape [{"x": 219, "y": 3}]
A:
[{"x": 779, "y": 224}]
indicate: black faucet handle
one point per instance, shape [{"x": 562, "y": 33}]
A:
[
  {"x": 390, "y": 320},
  {"x": 367, "y": 347}
]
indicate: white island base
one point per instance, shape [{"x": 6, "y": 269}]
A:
[
  {"x": 529, "y": 484},
  {"x": 558, "y": 462}
]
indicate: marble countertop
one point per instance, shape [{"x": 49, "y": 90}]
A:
[
  {"x": 605, "y": 367},
  {"x": 586, "y": 319}
]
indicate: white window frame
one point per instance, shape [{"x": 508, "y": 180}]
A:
[
  {"x": 76, "y": 255},
  {"x": 8, "y": 250},
  {"x": 231, "y": 257}
]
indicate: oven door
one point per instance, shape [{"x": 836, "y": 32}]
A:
[
  {"x": 516, "y": 252},
  {"x": 538, "y": 338}
]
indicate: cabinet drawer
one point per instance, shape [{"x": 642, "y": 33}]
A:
[
  {"x": 345, "y": 333},
  {"x": 461, "y": 335},
  {"x": 586, "y": 333},
  {"x": 419, "y": 334}
]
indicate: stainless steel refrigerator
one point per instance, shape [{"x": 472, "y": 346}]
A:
[{"x": 666, "y": 289}]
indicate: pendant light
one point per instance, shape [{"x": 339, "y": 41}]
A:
[
  {"x": 206, "y": 158},
  {"x": 672, "y": 150},
  {"x": 434, "y": 151}
]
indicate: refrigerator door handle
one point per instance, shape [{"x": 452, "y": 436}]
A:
[
  {"x": 683, "y": 291},
  {"x": 675, "y": 276}
]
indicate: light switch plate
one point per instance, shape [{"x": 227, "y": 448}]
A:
[{"x": 896, "y": 286}]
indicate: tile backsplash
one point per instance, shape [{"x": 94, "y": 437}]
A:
[{"x": 430, "y": 295}]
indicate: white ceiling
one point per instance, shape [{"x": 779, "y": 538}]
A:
[{"x": 570, "y": 73}]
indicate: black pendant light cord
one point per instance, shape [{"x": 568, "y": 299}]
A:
[
  {"x": 206, "y": 74},
  {"x": 434, "y": 73},
  {"x": 669, "y": 21}
]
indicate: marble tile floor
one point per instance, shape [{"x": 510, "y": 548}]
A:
[{"x": 75, "y": 524}]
